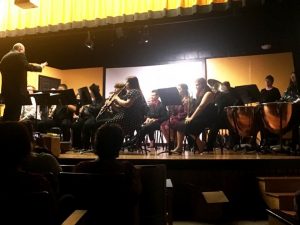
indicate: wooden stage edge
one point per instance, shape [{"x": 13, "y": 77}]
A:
[
  {"x": 187, "y": 155},
  {"x": 188, "y": 158}
]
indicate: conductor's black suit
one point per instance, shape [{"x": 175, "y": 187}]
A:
[{"x": 14, "y": 67}]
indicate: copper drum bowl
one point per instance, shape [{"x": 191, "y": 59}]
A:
[
  {"x": 276, "y": 115},
  {"x": 242, "y": 119}
]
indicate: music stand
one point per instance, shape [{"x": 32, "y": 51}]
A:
[
  {"x": 169, "y": 96},
  {"x": 247, "y": 93},
  {"x": 62, "y": 97},
  {"x": 41, "y": 99}
]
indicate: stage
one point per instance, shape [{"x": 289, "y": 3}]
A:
[{"x": 233, "y": 172}]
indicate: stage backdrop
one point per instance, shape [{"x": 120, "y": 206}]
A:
[
  {"x": 252, "y": 69},
  {"x": 157, "y": 76}
]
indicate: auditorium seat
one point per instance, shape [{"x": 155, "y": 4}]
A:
[
  {"x": 155, "y": 202},
  {"x": 33, "y": 208},
  {"x": 155, "y": 206},
  {"x": 106, "y": 197}
]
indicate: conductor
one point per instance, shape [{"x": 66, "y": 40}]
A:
[{"x": 14, "y": 67}]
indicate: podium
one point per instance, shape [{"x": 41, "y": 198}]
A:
[{"x": 169, "y": 96}]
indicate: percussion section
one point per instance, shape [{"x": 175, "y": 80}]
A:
[
  {"x": 276, "y": 116},
  {"x": 243, "y": 120}
]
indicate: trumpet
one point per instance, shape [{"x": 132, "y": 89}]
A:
[{"x": 109, "y": 101}]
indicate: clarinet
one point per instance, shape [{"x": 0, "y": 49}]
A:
[{"x": 109, "y": 101}]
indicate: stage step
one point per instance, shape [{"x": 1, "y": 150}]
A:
[
  {"x": 278, "y": 193},
  {"x": 279, "y": 184},
  {"x": 282, "y": 201}
]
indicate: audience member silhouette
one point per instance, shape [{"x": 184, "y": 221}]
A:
[{"x": 17, "y": 185}]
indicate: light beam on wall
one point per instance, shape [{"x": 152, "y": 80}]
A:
[{"x": 27, "y": 4}]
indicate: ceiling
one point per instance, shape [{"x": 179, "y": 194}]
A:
[{"x": 237, "y": 31}]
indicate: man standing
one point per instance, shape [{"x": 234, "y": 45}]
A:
[{"x": 14, "y": 67}]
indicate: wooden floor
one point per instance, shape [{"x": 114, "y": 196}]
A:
[{"x": 155, "y": 155}]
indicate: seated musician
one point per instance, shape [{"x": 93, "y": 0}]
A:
[
  {"x": 82, "y": 133},
  {"x": 156, "y": 115},
  {"x": 269, "y": 93},
  {"x": 132, "y": 107},
  {"x": 61, "y": 116},
  {"x": 177, "y": 114},
  {"x": 28, "y": 112},
  {"x": 202, "y": 90}
]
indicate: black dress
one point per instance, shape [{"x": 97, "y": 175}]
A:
[{"x": 132, "y": 117}]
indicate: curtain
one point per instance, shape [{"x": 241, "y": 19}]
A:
[{"x": 55, "y": 15}]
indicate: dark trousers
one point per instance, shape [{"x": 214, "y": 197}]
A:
[
  {"x": 149, "y": 129},
  {"x": 12, "y": 109}
]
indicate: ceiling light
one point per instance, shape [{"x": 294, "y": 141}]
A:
[
  {"x": 27, "y": 4},
  {"x": 89, "y": 42}
]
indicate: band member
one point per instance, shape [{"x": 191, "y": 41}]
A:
[
  {"x": 292, "y": 93},
  {"x": 14, "y": 67},
  {"x": 156, "y": 115},
  {"x": 82, "y": 133},
  {"x": 61, "y": 116},
  {"x": 132, "y": 107},
  {"x": 30, "y": 112},
  {"x": 177, "y": 114},
  {"x": 202, "y": 90},
  {"x": 269, "y": 93}
]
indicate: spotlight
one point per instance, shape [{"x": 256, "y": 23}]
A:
[
  {"x": 89, "y": 42},
  {"x": 144, "y": 35},
  {"x": 266, "y": 46}
]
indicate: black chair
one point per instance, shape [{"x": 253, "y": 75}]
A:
[
  {"x": 155, "y": 206},
  {"x": 33, "y": 208},
  {"x": 106, "y": 197}
]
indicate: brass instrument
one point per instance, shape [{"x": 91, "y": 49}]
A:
[{"x": 109, "y": 101}]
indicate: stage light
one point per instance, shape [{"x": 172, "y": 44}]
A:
[
  {"x": 27, "y": 4},
  {"x": 89, "y": 42}
]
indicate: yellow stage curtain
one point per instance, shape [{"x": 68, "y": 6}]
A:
[{"x": 55, "y": 15}]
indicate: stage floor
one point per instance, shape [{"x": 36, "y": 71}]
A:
[{"x": 187, "y": 155}]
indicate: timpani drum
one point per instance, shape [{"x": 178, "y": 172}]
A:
[
  {"x": 276, "y": 115},
  {"x": 242, "y": 119}
]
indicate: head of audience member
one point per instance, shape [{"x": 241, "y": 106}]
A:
[
  {"x": 62, "y": 87},
  {"x": 183, "y": 90},
  {"x": 132, "y": 83},
  {"x": 269, "y": 81},
  {"x": 108, "y": 141},
  {"x": 17, "y": 144},
  {"x": 19, "y": 47}
]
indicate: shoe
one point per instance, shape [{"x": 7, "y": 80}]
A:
[{"x": 177, "y": 151}]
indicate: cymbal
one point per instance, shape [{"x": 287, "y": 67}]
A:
[{"x": 213, "y": 82}]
